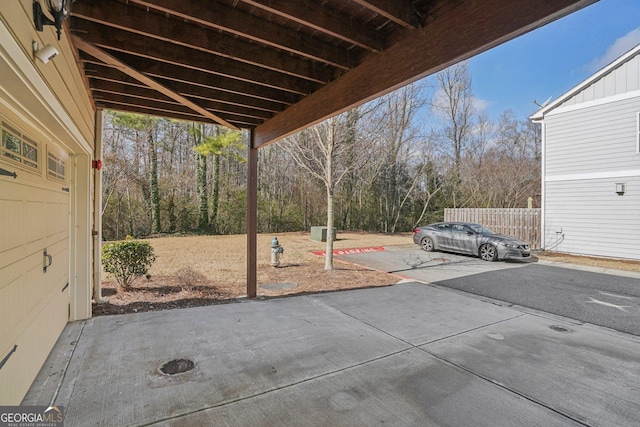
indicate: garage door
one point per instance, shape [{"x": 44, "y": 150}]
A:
[{"x": 34, "y": 256}]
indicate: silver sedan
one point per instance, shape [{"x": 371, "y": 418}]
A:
[{"x": 471, "y": 239}]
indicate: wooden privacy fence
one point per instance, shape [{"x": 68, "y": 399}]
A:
[{"x": 521, "y": 223}]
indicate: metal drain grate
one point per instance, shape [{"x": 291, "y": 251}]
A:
[{"x": 177, "y": 366}]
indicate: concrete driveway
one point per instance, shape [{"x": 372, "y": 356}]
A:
[
  {"x": 411, "y": 262},
  {"x": 409, "y": 354}
]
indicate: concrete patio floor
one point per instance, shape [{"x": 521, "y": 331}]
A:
[{"x": 409, "y": 354}]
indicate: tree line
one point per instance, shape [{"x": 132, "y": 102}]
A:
[{"x": 387, "y": 166}]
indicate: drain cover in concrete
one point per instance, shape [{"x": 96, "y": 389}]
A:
[
  {"x": 177, "y": 366},
  {"x": 559, "y": 328},
  {"x": 278, "y": 286}
]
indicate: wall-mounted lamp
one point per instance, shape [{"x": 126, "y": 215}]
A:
[
  {"x": 620, "y": 188},
  {"x": 59, "y": 10},
  {"x": 45, "y": 54}
]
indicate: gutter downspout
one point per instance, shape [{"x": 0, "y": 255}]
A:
[
  {"x": 543, "y": 147},
  {"x": 96, "y": 233}
]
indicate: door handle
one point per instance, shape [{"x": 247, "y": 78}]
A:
[{"x": 47, "y": 261}]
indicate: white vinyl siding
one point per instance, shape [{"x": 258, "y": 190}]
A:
[
  {"x": 596, "y": 139},
  {"x": 624, "y": 78},
  {"x": 593, "y": 218},
  {"x": 638, "y": 134},
  {"x": 592, "y": 143}
]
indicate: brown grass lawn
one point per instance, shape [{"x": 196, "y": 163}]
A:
[{"x": 202, "y": 270}]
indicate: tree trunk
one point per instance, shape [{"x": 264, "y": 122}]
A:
[
  {"x": 201, "y": 185},
  {"x": 203, "y": 213},
  {"x": 329, "y": 183},
  {"x": 328, "y": 258},
  {"x": 215, "y": 196},
  {"x": 155, "y": 193}
]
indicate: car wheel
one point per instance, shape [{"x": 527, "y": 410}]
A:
[
  {"x": 488, "y": 252},
  {"x": 427, "y": 244}
]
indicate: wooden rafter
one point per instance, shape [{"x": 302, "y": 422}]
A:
[
  {"x": 474, "y": 28},
  {"x": 250, "y": 27},
  {"x": 311, "y": 14},
  {"x": 140, "y": 22},
  {"x": 401, "y": 12},
  {"x": 198, "y": 78},
  {"x": 281, "y": 65},
  {"x": 108, "y": 59},
  {"x": 116, "y": 40}
]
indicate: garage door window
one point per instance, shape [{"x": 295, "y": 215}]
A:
[
  {"x": 57, "y": 167},
  {"x": 19, "y": 148}
]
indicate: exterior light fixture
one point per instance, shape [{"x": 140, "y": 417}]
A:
[
  {"x": 59, "y": 10},
  {"x": 620, "y": 188}
]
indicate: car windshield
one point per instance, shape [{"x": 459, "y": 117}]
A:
[{"x": 480, "y": 229}]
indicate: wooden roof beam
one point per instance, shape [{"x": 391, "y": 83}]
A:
[
  {"x": 234, "y": 21},
  {"x": 124, "y": 103},
  {"x": 197, "y": 78},
  {"x": 108, "y": 59},
  {"x": 118, "y": 40},
  {"x": 189, "y": 91},
  {"x": 176, "y": 31},
  {"x": 314, "y": 15},
  {"x": 402, "y": 12},
  {"x": 469, "y": 28},
  {"x": 165, "y": 109},
  {"x": 137, "y": 109},
  {"x": 104, "y": 86}
]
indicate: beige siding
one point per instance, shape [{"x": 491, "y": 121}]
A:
[
  {"x": 51, "y": 103},
  {"x": 61, "y": 74}
]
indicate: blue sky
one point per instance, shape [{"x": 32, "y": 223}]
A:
[{"x": 553, "y": 59}]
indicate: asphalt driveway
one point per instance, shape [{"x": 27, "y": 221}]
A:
[{"x": 610, "y": 299}]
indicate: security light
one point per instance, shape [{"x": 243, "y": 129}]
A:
[
  {"x": 45, "y": 54},
  {"x": 59, "y": 10}
]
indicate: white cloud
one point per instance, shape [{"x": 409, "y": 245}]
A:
[
  {"x": 617, "y": 49},
  {"x": 481, "y": 105},
  {"x": 440, "y": 101}
]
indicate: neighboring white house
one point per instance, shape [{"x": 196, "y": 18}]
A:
[{"x": 591, "y": 164}]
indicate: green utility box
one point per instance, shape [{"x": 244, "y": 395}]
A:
[{"x": 319, "y": 234}]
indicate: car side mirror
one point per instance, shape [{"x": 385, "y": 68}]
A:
[{"x": 469, "y": 233}]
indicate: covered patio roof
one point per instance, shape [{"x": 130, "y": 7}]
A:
[{"x": 278, "y": 66}]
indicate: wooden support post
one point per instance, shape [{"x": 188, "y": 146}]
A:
[{"x": 252, "y": 217}]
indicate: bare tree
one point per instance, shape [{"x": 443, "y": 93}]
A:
[
  {"x": 320, "y": 151},
  {"x": 453, "y": 104},
  {"x": 401, "y": 150}
]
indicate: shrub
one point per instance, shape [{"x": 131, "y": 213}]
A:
[
  {"x": 188, "y": 278},
  {"x": 127, "y": 260}
]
